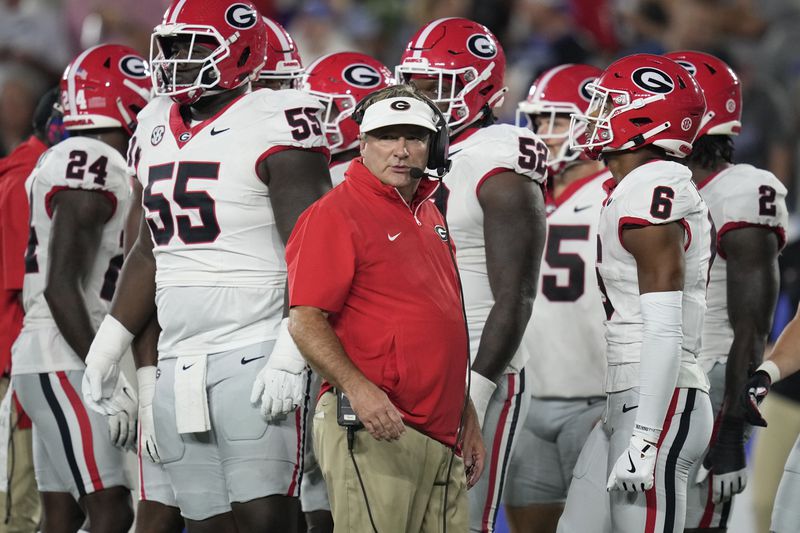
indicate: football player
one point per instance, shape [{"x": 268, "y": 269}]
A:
[
  {"x": 654, "y": 251},
  {"x": 341, "y": 80},
  {"x": 225, "y": 173},
  {"x": 78, "y": 196},
  {"x": 282, "y": 66},
  {"x": 783, "y": 361},
  {"x": 566, "y": 366},
  {"x": 748, "y": 207},
  {"x": 494, "y": 206}
]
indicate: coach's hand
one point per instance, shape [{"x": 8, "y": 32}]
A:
[
  {"x": 725, "y": 461},
  {"x": 281, "y": 385},
  {"x": 147, "y": 431},
  {"x": 380, "y": 417},
  {"x": 472, "y": 446},
  {"x": 755, "y": 391},
  {"x": 633, "y": 471}
]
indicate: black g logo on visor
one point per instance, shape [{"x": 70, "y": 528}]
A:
[
  {"x": 241, "y": 16},
  {"x": 481, "y": 46},
  {"x": 653, "y": 80},
  {"x": 361, "y": 75},
  {"x": 133, "y": 67},
  {"x": 400, "y": 105}
]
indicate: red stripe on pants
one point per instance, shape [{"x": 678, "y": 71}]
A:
[
  {"x": 496, "y": 451},
  {"x": 86, "y": 429},
  {"x": 650, "y": 495},
  {"x": 298, "y": 427}
]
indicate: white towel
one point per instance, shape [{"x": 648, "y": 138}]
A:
[
  {"x": 5, "y": 436},
  {"x": 191, "y": 400}
]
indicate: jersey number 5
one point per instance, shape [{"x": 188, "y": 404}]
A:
[
  {"x": 208, "y": 230},
  {"x": 572, "y": 262}
]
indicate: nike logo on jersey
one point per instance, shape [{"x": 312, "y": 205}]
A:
[
  {"x": 245, "y": 360},
  {"x": 625, "y": 408},
  {"x": 217, "y": 132},
  {"x": 187, "y": 367},
  {"x": 393, "y": 237},
  {"x": 454, "y": 152},
  {"x": 632, "y": 469},
  {"x": 584, "y": 208}
]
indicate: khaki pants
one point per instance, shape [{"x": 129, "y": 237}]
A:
[
  {"x": 24, "y": 497},
  {"x": 773, "y": 445},
  {"x": 404, "y": 480}
]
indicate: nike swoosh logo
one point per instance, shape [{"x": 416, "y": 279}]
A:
[
  {"x": 187, "y": 367},
  {"x": 128, "y": 394},
  {"x": 245, "y": 361},
  {"x": 454, "y": 152},
  {"x": 584, "y": 208},
  {"x": 625, "y": 408},
  {"x": 393, "y": 237},
  {"x": 632, "y": 469},
  {"x": 217, "y": 132}
]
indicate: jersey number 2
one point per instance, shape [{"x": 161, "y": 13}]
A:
[{"x": 208, "y": 230}]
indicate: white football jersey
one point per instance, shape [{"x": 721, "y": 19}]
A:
[
  {"x": 658, "y": 192},
  {"x": 565, "y": 337},
  {"x": 480, "y": 154},
  {"x": 739, "y": 196},
  {"x": 76, "y": 163},
  {"x": 220, "y": 270},
  {"x": 337, "y": 172}
]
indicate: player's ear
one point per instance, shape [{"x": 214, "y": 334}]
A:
[{"x": 362, "y": 142}]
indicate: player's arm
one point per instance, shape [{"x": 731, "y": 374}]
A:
[
  {"x": 658, "y": 251},
  {"x": 514, "y": 232},
  {"x": 753, "y": 280},
  {"x": 321, "y": 347},
  {"x": 78, "y": 220}
]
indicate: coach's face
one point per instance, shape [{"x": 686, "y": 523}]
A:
[{"x": 390, "y": 152}]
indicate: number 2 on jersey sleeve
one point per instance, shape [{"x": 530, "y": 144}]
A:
[
  {"x": 157, "y": 203},
  {"x": 766, "y": 201}
]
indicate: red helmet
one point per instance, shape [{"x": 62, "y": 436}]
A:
[
  {"x": 104, "y": 87},
  {"x": 340, "y": 81},
  {"x": 226, "y": 45},
  {"x": 721, "y": 88},
  {"x": 470, "y": 55},
  {"x": 558, "y": 91},
  {"x": 283, "y": 60},
  {"x": 640, "y": 99}
]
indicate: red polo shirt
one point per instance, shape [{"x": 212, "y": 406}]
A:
[
  {"x": 14, "y": 170},
  {"x": 382, "y": 269}
]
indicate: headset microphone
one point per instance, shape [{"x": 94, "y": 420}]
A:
[{"x": 417, "y": 173}]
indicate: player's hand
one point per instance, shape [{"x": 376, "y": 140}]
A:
[
  {"x": 472, "y": 447},
  {"x": 725, "y": 461},
  {"x": 123, "y": 407},
  {"x": 102, "y": 364},
  {"x": 147, "y": 429},
  {"x": 633, "y": 471},
  {"x": 380, "y": 417},
  {"x": 122, "y": 430},
  {"x": 754, "y": 392},
  {"x": 280, "y": 386}
]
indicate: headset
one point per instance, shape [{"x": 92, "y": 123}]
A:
[{"x": 439, "y": 143}]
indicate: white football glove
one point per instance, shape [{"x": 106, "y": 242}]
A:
[
  {"x": 102, "y": 364},
  {"x": 481, "y": 390},
  {"x": 281, "y": 384},
  {"x": 633, "y": 471},
  {"x": 123, "y": 405},
  {"x": 122, "y": 430},
  {"x": 147, "y": 430}
]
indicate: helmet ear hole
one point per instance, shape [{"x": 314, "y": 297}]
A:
[
  {"x": 641, "y": 121},
  {"x": 243, "y": 58}
]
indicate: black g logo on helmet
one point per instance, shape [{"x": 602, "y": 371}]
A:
[
  {"x": 688, "y": 66},
  {"x": 481, "y": 46},
  {"x": 361, "y": 75},
  {"x": 241, "y": 16},
  {"x": 133, "y": 67},
  {"x": 400, "y": 105},
  {"x": 653, "y": 80},
  {"x": 583, "y": 91}
]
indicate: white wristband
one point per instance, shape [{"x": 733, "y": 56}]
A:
[
  {"x": 481, "y": 390},
  {"x": 111, "y": 340},
  {"x": 286, "y": 355},
  {"x": 772, "y": 369},
  {"x": 146, "y": 376}
]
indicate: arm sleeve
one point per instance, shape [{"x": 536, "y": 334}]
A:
[{"x": 321, "y": 258}]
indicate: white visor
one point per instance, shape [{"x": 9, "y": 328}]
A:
[{"x": 399, "y": 110}]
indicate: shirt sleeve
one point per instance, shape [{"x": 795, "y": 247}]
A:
[
  {"x": 14, "y": 237},
  {"x": 321, "y": 259}
]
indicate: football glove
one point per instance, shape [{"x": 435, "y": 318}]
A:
[
  {"x": 102, "y": 364},
  {"x": 725, "y": 464},
  {"x": 147, "y": 430},
  {"x": 755, "y": 391},
  {"x": 633, "y": 471},
  {"x": 281, "y": 383}
]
